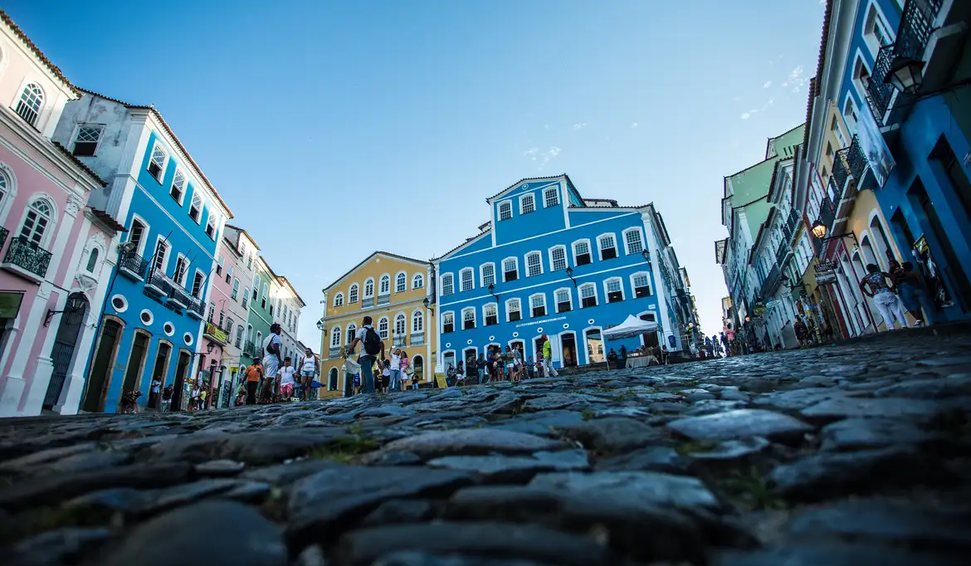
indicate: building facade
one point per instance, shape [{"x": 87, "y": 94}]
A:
[
  {"x": 237, "y": 250},
  {"x": 56, "y": 253},
  {"x": 395, "y": 291},
  {"x": 550, "y": 262},
  {"x": 260, "y": 318},
  {"x": 153, "y": 318},
  {"x": 286, "y": 312}
]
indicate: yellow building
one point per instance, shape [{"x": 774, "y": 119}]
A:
[{"x": 395, "y": 291}]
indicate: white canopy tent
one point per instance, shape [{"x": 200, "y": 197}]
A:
[{"x": 630, "y": 328}]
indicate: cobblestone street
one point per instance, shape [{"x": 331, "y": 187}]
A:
[{"x": 839, "y": 455}]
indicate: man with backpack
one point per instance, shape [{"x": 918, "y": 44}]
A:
[{"x": 372, "y": 346}]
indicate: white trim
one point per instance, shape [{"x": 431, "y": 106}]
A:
[
  {"x": 156, "y": 143},
  {"x": 202, "y": 286},
  {"x": 537, "y": 253},
  {"x": 185, "y": 274},
  {"x": 623, "y": 236},
  {"x": 47, "y": 236},
  {"x": 338, "y": 300},
  {"x": 396, "y": 277},
  {"x": 474, "y": 313},
  {"x": 566, "y": 257},
  {"x": 573, "y": 247},
  {"x": 482, "y": 282},
  {"x": 891, "y": 33},
  {"x": 354, "y": 287},
  {"x": 623, "y": 292},
  {"x": 335, "y": 331},
  {"x": 633, "y": 287},
  {"x": 586, "y": 350},
  {"x": 417, "y": 313},
  {"x": 185, "y": 185},
  {"x": 11, "y": 192},
  {"x": 858, "y": 85},
  {"x": 77, "y": 131},
  {"x": 485, "y": 316},
  {"x": 556, "y": 303},
  {"x": 499, "y": 211},
  {"x": 546, "y": 310},
  {"x": 418, "y": 276},
  {"x": 471, "y": 272},
  {"x": 503, "y": 263},
  {"x": 522, "y": 200},
  {"x": 580, "y": 295},
  {"x": 556, "y": 191},
  {"x": 365, "y": 294},
  {"x": 442, "y": 322},
  {"x": 387, "y": 323},
  {"x": 508, "y": 310},
  {"x": 384, "y": 277},
  {"x": 441, "y": 286},
  {"x": 600, "y": 248}
]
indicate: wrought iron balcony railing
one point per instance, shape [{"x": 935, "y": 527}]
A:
[
  {"x": 131, "y": 263},
  {"x": 827, "y": 213},
  {"x": 28, "y": 256},
  {"x": 782, "y": 252},
  {"x": 856, "y": 160},
  {"x": 417, "y": 338},
  {"x": 399, "y": 341},
  {"x": 195, "y": 308},
  {"x": 3, "y": 236},
  {"x": 841, "y": 171}
]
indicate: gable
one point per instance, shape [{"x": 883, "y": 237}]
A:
[{"x": 376, "y": 264}]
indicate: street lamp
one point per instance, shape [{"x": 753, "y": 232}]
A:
[
  {"x": 425, "y": 302},
  {"x": 647, "y": 255},
  {"x": 492, "y": 291},
  {"x": 569, "y": 273},
  {"x": 819, "y": 230},
  {"x": 320, "y": 324},
  {"x": 905, "y": 74}
]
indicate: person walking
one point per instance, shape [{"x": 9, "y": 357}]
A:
[
  {"x": 308, "y": 371},
  {"x": 287, "y": 379},
  {"x": 253, "y": 373},
  {"x": 395, "y": 367},
  {"x": 167, "y": 394},
  {"x": 548, "y": 369},
  {"x": 913, "y": 293},
  {"x": 371, "y": 347},
  {"x": 272, "y": 360},
  {"x": 480, "y": 366},
  {"x": 406, "y": 370},
  {"x": 874, "y": 285}
]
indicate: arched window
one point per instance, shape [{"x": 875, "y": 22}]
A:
[
  {"x": 28, "y": 107},
  {"x": 448, "y": 285},
  {"x": 487, "y": 275},
  {"x": 339, "y": 300},
  {"x": 534, "y": 264},
  {"x": 448, "y": 322},
  {"x": 351, "y": 332},
  {"x": 558, "y": 258},
  {"x": 400, "y": 325},
  {"x": 608, "y": 246},
  {"x": 4, "y": 187},
  {"x": 468, "y": 318},
  {"x": 588, "y": 295},
  {"x": 505, "y": 210},
  {"x": 239, "y": 335},
  {"x": 368, "y": 288},
  {"x": 465, "y": 279},
  {"x": 417, "y": 322},
  {"x": 195, "y": 208},
  {"x": 92, "y": 260},
  {"x": 384, "y": 286},
  {"x": 352, "y": 294},
  {"x": 400, "y": 282},
  {"x": 383, "y": 328},
  {"x": 633, "y": 242},
  {"x": 418, "y": 281},
  {"x": 490, "y": 313},
  {"x": 335, "y": 337},
  {"x": 37, "y": 221}
]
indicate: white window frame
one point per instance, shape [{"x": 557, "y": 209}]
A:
[
  {"x": 404, "y": 324},
  {"x": 353, "y": 292},
  {"x": 474, "y": 321},
  {"x": 336, "y": 336},
  {"x": 182, "y": 189},
  {"x": 165, "y": 162},
  {"x": 163, "y": 265},
  {"x": 444, "y": 316},
  {"x": 351, "y": 332},
  {"x": 97, "y": 144},
  {"x": 384, "y": 279},
  {"x": 202, "y": 284},
  {"x": 49, "y": 229},
  {"x": 555, "y": 191},
  {"x": 516, "y": 260},
  {"x": 196, "y": 196},
  {"x": 573, "y": 247},
  {"x": 539, "y": 255},
  {"x": 175, "y": 271},
  {"x": 566, "y": 258},
  {"x": 499, "y": 207},
  {"x": 623, "y": 292},
  {"x": 235, "y": 291},
  {"x": 522, "y": 203},
  {"x": 482, "y": 270},
  {"x": 471, "y": 273},
  {"x": 633, "y": 286},
  {"x": 509, "y": 310},
  {"x": 546, "y": 310},
  {"x": 384, "y": 332},
  {"x": 858, "y": 82},
  {"x": 580, "y": 295},
  {"x": 419, "y": 317},
  {"x": 417, "y": 281},
  {"x": 600, "y": 248},
  {"x": 400, "y": 277},
  {"x": 869, "y": 38},
  {"x": 367, "y": 295},
  {"x": 624, "y": 237},
  {"x": 26, "y": 94},
  {"x": 338, "y": 300},
  {"x": 485, "y": 315},
  {"x": 556, "y": 302},
  {"x": 450, "y": 277}
]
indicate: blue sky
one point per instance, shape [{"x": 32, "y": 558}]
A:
[{"x": 336, "y": 128}]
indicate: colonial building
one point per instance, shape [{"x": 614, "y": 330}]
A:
[
  {"x": 551, "y": 262},
  {"x": 395, "y": 292},
  {"x": 154, "y": 316},
  {"x": 236, "y": 250},
  {"x": 56, "y": 253},
  {"x": 260, "y": 318},
  {"x": 286, "y": 309}
]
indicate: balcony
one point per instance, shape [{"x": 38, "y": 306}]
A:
[
  {"x": 418, "y": 339},
  {"x": 334, "y": 352},
  {"x": 398, "y": 342},
  {"x": 782, "y": 253},
  {"x": 26, "y": 259},
  {"x": 841, "y": 172},
  {"x": 216, "y": 334},
  {"x": 3, "y": 236},
  {"x": 916, "y": 25},
  {"x": 132, "y": 265},
  {"x": 195, "y": 308},
  {"x": 178, "y": 297},
  {"x": 156, "y": 284},
  {"x": 856, "y": 161},
  {"x": 249, "y": 348},
  {"x": 771, "y": 281}
]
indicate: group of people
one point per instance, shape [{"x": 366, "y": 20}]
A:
[
  {"x": 901, "y": 290},
  {"x": 275, "y": 378},
  {"x": 498, "y": 364}
]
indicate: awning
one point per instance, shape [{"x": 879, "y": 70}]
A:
[{"x": 630, "y": 328}]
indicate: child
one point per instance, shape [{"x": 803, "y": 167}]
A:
[
  {"x": 460, "y": 375},
  {"x": 386, "y": 376},
  {"x": 167, "y": 397},
  {"x": 287, "y": 380},
  {"x": 129, "y": 402}
]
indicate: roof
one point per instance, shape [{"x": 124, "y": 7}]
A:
[
  {"x": 243, "y": 231},
  {"x": 814, "y": 86},
  {"x": 36, "y": 51},
  {"x": 295, "y": 293},
  {"x": 158, "y": 115},
  {"x": 368, "y": 258},
  {"x": 80, "y": 164},
  {"x": 108, "y": 220},
  {"x": 530, "y": 179}
]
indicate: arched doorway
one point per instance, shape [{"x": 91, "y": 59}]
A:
[
  {"x": 649, "y": 339},
  {"x": 568, "y": 344},
  {"x": 136, "y": 362},
  {"x": 65, "y": 342},
  {"x": 181, "y": 370},
  {"x": 332, "y": 380},
  {"x": 102, "y": 366},
  {"x": 418, "y": 364},
  {"x": 595, "y": 346},
  {"x": 159, "y": 372},
  {"x": 467, "y": 355}
]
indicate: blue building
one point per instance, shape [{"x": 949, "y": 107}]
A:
[
  {"x": 914, "y": 134},
  {"x": 155, "y": 307},
  {"x": 551, "y": 262}
]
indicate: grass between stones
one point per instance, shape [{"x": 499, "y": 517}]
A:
[
  {"x": 47, "y": 518},
  {"x": 749, "y": 489},
  {"x": 346, "y": 448},
  {"x": 688, "y": 446}
]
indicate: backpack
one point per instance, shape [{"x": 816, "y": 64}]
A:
[{"x": 372, "y": 342}]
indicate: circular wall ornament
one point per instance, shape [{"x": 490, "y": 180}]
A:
[
  {"x": 168, "y": 328},
  {"x": 515, "y": 335},
  {"x": 524, "y": 186},
  {"x": 448, "y": 344},
  {"x": 492, "y": 338},
  {"x": 468, "y": 341},
  {"x": 590, "y": 321},
  {"x": 119, "y": 303},
  {"x": 566, "y": 326},
  {"x": 187, "y": 338},
  {"x": 539, "y": 330},
  {"x": 146, "y": 317}
]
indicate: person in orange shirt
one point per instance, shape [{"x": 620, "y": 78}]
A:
[{"x": 253, "y": 375}]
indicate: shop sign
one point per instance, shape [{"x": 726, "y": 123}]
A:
[{"x": 825, "y": 266}]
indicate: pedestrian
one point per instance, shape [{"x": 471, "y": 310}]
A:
[
  {"x": 612, "y": 359},
  {"x": 155, "y": 392},
  {"x": 530, "y": 367},
  {"x": 272, "y": 360},
  {"x": 460, "y": 374},
  {"x": 371, "y": 347},
  {"x": 129, "y": 402},
  {"x": 802, "y": 332},
  {"x": 308, "y": 371},
  {"x": 481, "y": 366},
  {"x": 517, "y": 362},
  {"x": 385, "y": 376},
  {"x": 709, "y": 347},
  {"x": 167, "y": 394},
  {"x": 406, "y": 370},
  {"x": 913, "y": 293},
  {"x": 874, "y": 285},
  {"x": 253, "y": 373},
  {"x": 202, "y": 396},
  {"x": 548, "y": 368},
  {"x": 395, "y": 370}
]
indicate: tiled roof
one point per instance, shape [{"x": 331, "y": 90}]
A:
[
  {"x": 820, "y": 63},
  {"x": 243, "y": 231},
  {"x": 530, "y": 179},
  {"x": 40, "y": 54},
  {"x": 80, "y": 164},
  {"x": 171, "y": 133},
  {"x": 108, "y": 219},
  {"x": 287, "y": 281},
  {"x": 368, "y": 258}
]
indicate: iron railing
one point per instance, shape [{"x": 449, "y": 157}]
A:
[
  {"x": 196, "y": 307},
  {"x": 130, "y": 261},
  {"x": 399, "y": 341},
  {"x": 857, "y": 161},
  {"x": 782, "y": 252},
  {"x": 417, "y": 338},
  {"x": 841, "y": 170},
  {"x": 29, "y": 256},
  {"x": 3, "y": 236}
]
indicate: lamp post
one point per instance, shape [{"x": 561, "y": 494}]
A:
[
  {"x": 492, "y": 291},
  {"x": 647, "y": 255},
  {"x": 906, "y": 76},
  {"x": 819, "y": 230},
  {"x": 569, "y": 273}
]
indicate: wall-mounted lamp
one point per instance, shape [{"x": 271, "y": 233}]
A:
[
  {"x": 647, "y": 255},
  {"x": 569, "y": 273},
  {"x": 492, "y": 291}
]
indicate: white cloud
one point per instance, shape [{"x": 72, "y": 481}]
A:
[
  {"x": 542, "y": 157},
  {"x": 633, "y": 125},
  {"x": 745, "y": 116},
  {"x": 767, "y": 84},
  {"x": 579, "y": 125},
  {"x": 531, "y": 153},
  {"x": 796, "y": 73}
]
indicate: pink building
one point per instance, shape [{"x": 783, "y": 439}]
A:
[{"x": 56, "y": 253}]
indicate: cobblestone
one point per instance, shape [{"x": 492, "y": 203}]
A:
[{"x": 849, "y": 454}]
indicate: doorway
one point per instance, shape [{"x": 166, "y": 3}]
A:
[
  {"x": 649, "y": 338},
  {"x": 469, "y": 357},
  {"x": 136, "y": 360},
  {"x": 101, "y": 367},
  {"x": 950, "y": 271},
  {"x": 159, "y": 372},
  {"x": 595, "y": 346},
  {"x": 448, "y": 361},
  {"x": 418, "y": 364},
  {"x": 65, "y": 342},
  {"x": 568, "y": 343},
  {"x": 332, "y": 380},
  {"x": 181, "y": 369}
]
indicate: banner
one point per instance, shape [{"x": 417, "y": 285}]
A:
[{"x": 874, "y": 147}]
